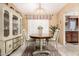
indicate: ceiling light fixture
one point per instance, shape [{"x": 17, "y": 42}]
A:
[
  {"x": 40, "y": 10},
  {"x": 40, "y": 13}
]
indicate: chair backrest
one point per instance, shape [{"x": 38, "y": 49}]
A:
[
  {"x": 24, "y": 35},
  {"x": 56, "y": 35}
]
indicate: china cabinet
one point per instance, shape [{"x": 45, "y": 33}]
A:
[
  {"x": 10, "y": 30},
  {"x": 71, "y": 29}
]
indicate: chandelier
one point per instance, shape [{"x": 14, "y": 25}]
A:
[
  {"x": 40, "y": 13},
  {"x": 40, "y": 10}
]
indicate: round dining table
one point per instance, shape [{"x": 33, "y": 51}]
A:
[{"x": 41, "y": 38}]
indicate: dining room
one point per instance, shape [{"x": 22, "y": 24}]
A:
[
  {"x": 39, "y": 29},
  {"x": 42, "y": 20}
]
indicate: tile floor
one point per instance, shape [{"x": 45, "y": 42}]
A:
[{"x": 67, "y": 50}]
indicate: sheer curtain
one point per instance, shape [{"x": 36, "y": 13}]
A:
[{"x": 34, "y": 23}]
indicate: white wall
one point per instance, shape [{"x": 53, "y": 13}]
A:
[{"x": 34, "y": 23}]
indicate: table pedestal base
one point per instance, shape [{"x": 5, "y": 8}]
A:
[{"x": 42, "y": 53}]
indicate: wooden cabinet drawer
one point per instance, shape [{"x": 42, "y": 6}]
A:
[
  {"x": 17, "y": 44},
  {"x": 9, "y": 46}
]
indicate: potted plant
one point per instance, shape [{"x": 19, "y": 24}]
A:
[{"x": 53, "y": 28}]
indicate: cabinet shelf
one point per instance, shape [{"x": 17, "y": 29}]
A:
[{"x": 15, "y": 25}]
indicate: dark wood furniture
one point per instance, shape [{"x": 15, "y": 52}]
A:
[
  {"x": 72, "y": 30},
  {"x": 72, "y": 36},
  {"x": 44, "y": 36}
]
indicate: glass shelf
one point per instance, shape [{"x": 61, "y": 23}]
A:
[
  {"x": 6, "y": 23},
  {"x": 71, "y": 24},
  {"x": 15, "y": 25}
]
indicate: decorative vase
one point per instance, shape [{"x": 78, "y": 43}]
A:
[{"x": 40, "y": 30}]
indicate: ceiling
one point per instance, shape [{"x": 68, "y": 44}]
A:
[{"x": 30, "y": 8}]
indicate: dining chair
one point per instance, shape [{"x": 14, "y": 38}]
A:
[
  {"x": 55, "y": 37},
  {"x": 24, "y": 36}
]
